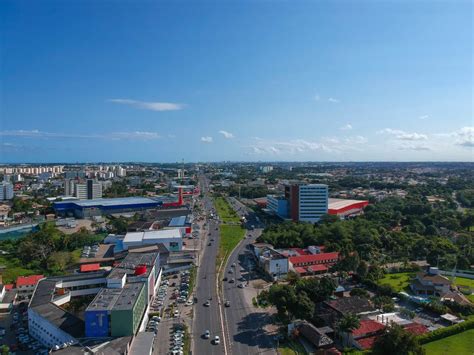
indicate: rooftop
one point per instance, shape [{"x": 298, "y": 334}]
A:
[
  {"x": 116, "y": 298},
  {"x": 367, "y": 326},
  {"x": 136, "y": 237},
  {"x": 314, "y": 257},
  {"x": 110, "y": 201},
  {"x": 179, "y": 221},
  {"x": 338, "y": 203},
  {"x": 61, "y": 319},
  {"x": 131, "y": 261},
  {"x": 353, "y": 304},
  {"x": 28, "y": 280}
]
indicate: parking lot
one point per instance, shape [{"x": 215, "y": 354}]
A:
[
  {"x": 172, "y": 301},
  {"x": 16, "y": 332}
]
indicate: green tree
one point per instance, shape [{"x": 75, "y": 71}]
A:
[{"x": 397, "y": 341}]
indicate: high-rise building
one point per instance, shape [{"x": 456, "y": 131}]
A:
[
  {"x": 6, "y": 191},
  {"x": 307, "y": 203},
  {"x": 69, "y": 186},
  {"x": 88, "y": 191}
]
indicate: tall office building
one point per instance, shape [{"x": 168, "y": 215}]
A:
[
  {"x": 307, "y": 203},
  {"x": 88, "y": 191},
  {"x": 6, "y": 191},
  {"x": 69, "y": 187}
]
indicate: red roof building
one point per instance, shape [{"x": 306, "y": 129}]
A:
[
  {"x": 367, "y": 327},
  {"x": 90, "y": 267},
  {"x": 367, "y": 343},
  {"x": 416, "y": 328},
  {"x": 25, "y": 281},
  {"x": 314, "y": 259},
  {"x": 345, "y": 208}
]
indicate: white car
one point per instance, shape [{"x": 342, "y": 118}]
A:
[
  {"x": 207, "y": 334},
  {"x": 176, "y": 313},
  {"x": 217, "y": 340}
]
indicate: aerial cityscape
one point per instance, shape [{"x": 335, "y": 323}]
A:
[{"x": 236, "y": 177}]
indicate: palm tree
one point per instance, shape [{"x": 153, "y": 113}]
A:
[{"x": 347, "y": 325}]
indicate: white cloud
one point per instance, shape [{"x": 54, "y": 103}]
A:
[
  {"x": 299, "y": 146},
  {"x": 333, "y": 100},
  {"x": 346, "y": 127},
  {"x": 463, "y": 137},
  {"x": 152, "y": 106},
  {"x": 226, "y": 134},
  {"x": 134, "y": 135},
  {"x": 423, "y": 117},
  {"x": 207, "y": 139},
  {"x": 415, "y": 147},
  {"x": 402, "y": 135}
]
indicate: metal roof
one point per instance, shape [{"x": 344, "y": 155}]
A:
[{"x": 110, "y": 201}]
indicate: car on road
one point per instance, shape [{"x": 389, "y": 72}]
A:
[
  {"x": 232, "y": 281},
  {"x": 209, "y": 244},
  {"x": 217, "y": 340},
  {"x": 176, "y": 313},
  {"x": 231, "y": 271},
  {"x": 225, "y": 278},
  {"x": 241, "y": 286},
  {"x": 207, "y": 304},
  {"x": 207, "y": 334},
  {"x": 227, "y": 303}
]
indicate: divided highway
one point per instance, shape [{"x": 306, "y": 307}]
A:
[{"x": 207, "y": 318}]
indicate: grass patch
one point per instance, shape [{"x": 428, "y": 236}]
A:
[
  {"x": 192, "y": 279},
  {"x": 461, "y": 343},
  {"x": 291, "y": 348},
  {"x": 230, "y": 237},
  {"x": 225, "y": 211},
  {"x": 399, "y": 281},
  {"x": 13, "y": 269},
  {"x": 462, "y": 281}
]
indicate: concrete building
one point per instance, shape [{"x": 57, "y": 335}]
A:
[
  {"x": 88, "y": 191},
  {"x": 6, "y": 191},
  {"x": 307, "y": 203},
  {"x": 25, "y": 285},
  {"x": 273, "y": 263},
  {"x": 172, "y": 239},
  {"x": 277, "y": 205}
]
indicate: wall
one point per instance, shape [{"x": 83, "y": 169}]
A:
[
  {"x": 40, "y": 327},
  {"x": 97, "y": 323}
]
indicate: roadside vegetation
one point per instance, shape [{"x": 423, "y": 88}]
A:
[
  {"x": 47, "y": 251},
  {"x": 225, "y": 211},
  {"x": 231, "y": 232},
  {"x": 291, "y": 347}
]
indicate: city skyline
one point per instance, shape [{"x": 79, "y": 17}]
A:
[{"x": 241, "y": 81}]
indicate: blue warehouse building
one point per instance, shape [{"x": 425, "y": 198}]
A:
[{"x": 103, "y": 206}]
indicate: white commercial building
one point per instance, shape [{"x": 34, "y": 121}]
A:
[{"x": 171, "y": 238}]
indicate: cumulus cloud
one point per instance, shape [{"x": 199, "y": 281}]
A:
[
  {"x": 135, "y": 135},
  {"x": 463, "y": 137},
  {"x": 423, "y": 117},
  {"x": 402, "y": 135},
  {"x": 333, "y": 100},
  {"x": 226, "y": 134},
  {"x": 206, "y": 139},
  {"x": 298, "y": 146},
  {"x": 152, "y": 106},
  {"x": 346, "y": 127}
]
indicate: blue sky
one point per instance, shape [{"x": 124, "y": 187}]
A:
[{"x": 162, "y": 81}]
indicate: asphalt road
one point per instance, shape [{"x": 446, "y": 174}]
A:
[
  {"x": 207, "y": 318},
  {"x": 243, "y": 325}
]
